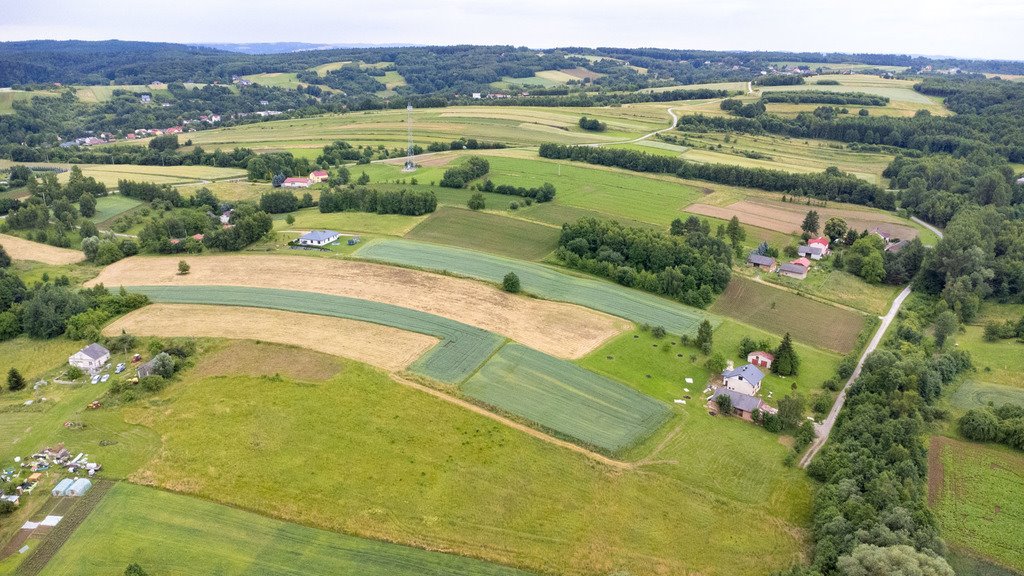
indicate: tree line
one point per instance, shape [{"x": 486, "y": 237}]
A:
[
  {"x": 832, "y": 184},
  {"x": 459, "y": 176},
  {"x": 823, "y": 97},
  {"x": 359, "y": 199},
  {"x": 692, "y": 266}
]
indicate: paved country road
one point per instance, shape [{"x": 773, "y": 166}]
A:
[{"x": 823, "y": 429}]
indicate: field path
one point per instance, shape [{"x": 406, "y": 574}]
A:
[
  {"x": 825, "y": 428},
  {"x": 935, "y": 230},
  {"x": 515, "y": 425},
  {"x": 671, "y": 112}
]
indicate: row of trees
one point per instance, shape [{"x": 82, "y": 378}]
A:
[
  {"x": 832, "y": 184},
  {"x": 358, "y": 199},
  {"x": 592, "y": 124},
  {"x": 1003, "y": 424},
  {"x": 459, "y": 176},
  {"x": 823, "y": 97},
  {"x": 543, "y": 193},
  {"x": 692, "y": 266}
]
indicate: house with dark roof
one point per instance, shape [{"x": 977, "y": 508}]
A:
[
  {"x": 743, "y": 405},
  {"x": 766, "y": 263},
  {"x": 90, "y": 358},
  {"x": 319, "y": 238},
  {"x": 746, "y": 379},
  {"x": 145, "y": 369},
  {"x": 814, "y": 252},
  {"x": 795, "y": 269}
]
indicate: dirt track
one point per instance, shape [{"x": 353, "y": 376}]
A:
[
  {"x": 381, "y": 346},
  {"x": 563, "y": 330},
  {"x": 20, "y": 249}
]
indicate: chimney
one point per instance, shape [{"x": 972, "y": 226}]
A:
[{"x": 729, "y": 365}]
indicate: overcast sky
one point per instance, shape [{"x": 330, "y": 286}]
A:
[{"x": 969, "y": 28}]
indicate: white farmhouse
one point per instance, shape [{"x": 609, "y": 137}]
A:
[
  {"x": 319, "y": 238},
  {"x": 90, "y": 358},
  {"x": 746, "y": 379}
]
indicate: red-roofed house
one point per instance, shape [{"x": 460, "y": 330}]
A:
[
  {"x": 821, "y": 242},
  {"x": 294, "y": 182},
  {"x": 761, "y": 359},
  {"x": 317, "y": 176},
  {"x": 173, "y": 130}
]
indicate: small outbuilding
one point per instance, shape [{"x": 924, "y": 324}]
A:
[
  {"x": 90, "y": 358},
  {"x": 766, "y": 263},
  {"x": 62, "y": 487},
  {"x": 761, "y": 359},
  {"x": 814, "y": 252},
  {"x": 793, "y": 270},
  {"x": 319, "y": 238},
  {"x": 79, "y": 487},
  {"x": 295, "y": 182}
]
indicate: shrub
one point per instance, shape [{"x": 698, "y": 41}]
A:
[
  {"x": 510, "y": 283},
  {"x": 476, "y": 202},
  {"x": 183, "y": 267}
]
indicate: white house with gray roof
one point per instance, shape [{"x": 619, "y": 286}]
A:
[
  {"x": 746, "y": 379},
  {"x": 90, "y": 358},
  {"x": 319, "y": 238}
]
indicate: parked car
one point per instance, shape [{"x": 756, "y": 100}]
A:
[
  {"x": 105, "y": 378},
  {"x": 96, "y": 379},
  {"x": 119, "y": 369}
]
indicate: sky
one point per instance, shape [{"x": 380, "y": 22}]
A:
[{"x": 964, "y": 28}]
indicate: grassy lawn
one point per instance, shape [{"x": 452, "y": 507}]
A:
[
  {"x": 974, "y": 490},
  {"x": 974, "y": 394},
  {"x": 171, "y": 534},
  {"x": 109, "y": 207},
  {"x": 383, "y": 224},
  {"x": 236, "y": 190},
  {"x": 487, "y": 232},
  {"x": 999, "y": 362},
  {"x": 778, "y": 311},
  {"x": 9, "y": 97},
  {"x": 841, "y": 287},
  {"x": 543, "y": 281}
]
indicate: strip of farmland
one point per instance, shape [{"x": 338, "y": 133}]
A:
[{"x": 543, "y": 281}]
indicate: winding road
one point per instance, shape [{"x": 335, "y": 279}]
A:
[{"x": 824, "y": 429}]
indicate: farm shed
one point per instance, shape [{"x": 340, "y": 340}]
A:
[
  {"x": 815, "y": 252},
  {"x": 79, "y": 487},
  {"x": 61, "y": 488},
  {"x": 743, "y": 405},
  {"x": 766, "y": 263},
  {"x": 295, "y": 183},
  {"x": 90, "y": 358},
  {"x": 145, "y": 369},
  {"x": 761, "y": 359},
  {"x": 319, "y": 238},
  {"x": 794, "y": 270},
  {"x": 745, "y": 379}
]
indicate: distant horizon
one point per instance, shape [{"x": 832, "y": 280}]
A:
[
  {"x": 320, "y": 46},
  {"x": 981, "y": 29}
]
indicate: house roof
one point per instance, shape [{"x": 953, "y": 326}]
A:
[
  {"x": 807, "y": 249},
  {"x": 296, "y": 179},
  {"x": 802, "y": 262},
  {"x": 896, "y": 246},
  {"x": 95, "y": 351},
  {"x": 740, "y": 401},
  {"x": 794, "y": 268},
  {"x": 748, "y": 372},
  {"x": 319, "y": 173},
  {"x": 145, "y": 369},
  {"x": 819, "y": 240},
  {"x": 319, "y": 235},
  {"x": 760, "y": 260},
  {"x": 762, "y": 354}
]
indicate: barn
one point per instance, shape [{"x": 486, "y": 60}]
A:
[{"x": 761, "y": 359}]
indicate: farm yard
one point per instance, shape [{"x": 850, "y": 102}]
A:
[
  {"x": 563, "y": 330},
  {"x": 543, "y": 281}
]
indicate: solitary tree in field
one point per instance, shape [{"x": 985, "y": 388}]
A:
[
  {"x": 134, "y": 569},
  {"x": 735, "y": 232},
  {"x": 15, "y": 381},
  {"x": 183, "y": 267},
  {"x": 364, "y": 179},
  {"x": 811, "y": 223},
  {"x": 510, "y": 283},
  {"x": 704, "y": 335},
  {"x": 476, "y": 202},
  {"x": 290, "y": 219}
]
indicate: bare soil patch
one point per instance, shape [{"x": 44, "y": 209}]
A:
[
  {"x": 559, "y": 329},
  {"x": 936, "y": 472},
  {"x": 381, "y": 346},
  {"x": 786, "y": 218},
  {"x": 21, "y": 249}
]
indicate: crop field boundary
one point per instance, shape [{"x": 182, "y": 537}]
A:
[
  {"x": 545, "y": 282},
  {"x": 461, "y": 358}
]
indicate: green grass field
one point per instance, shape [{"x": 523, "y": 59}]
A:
[
  {"x": 8, "y": 97},
  {"x": 778, "y": 311},
  {"x": 841, "y": 287},
  {"x": 109, "y": 207},
  {"x": 384, "y": 224},
  {"x": 975, "y": 394},
  {"x": 373, "y": 458},
  {"x": 999, "y": 362},
  {"x": 544, "y": 281},
  {"x": 565, "y": 398},
  {"x": 171, "y": 534},
  {"x": 487, "y": 232},
  {"x": 978, "y": 504},
  {"x": 462, "y": 349}
]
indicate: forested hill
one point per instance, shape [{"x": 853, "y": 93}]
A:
[{"x": 428, "y": 69}]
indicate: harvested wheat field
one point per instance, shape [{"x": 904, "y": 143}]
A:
[
  {"x": 377, "y": 345},
  {"x": 21, "y": 249},
  {"x": 786, "y": 217},
  {"x": 563, "y": 330}
]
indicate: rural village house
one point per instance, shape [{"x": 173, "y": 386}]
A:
[
  {"x": 766, "y": 263},
  {"x": 812, "y": 252},
  {"x": 795, "y": 269},
  {"x": 90, "y": 358},
  {"x": 295, "y": 182},
  {"x": 761, "y": 359},
  {"x": 319, "y": 238},
  {"x": 743, "y": 405},
  {"x": 746, "y": 379},
  {"x": 318, "y": 176}
]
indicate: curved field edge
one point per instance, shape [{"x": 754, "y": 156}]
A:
[
  {"x": 181, "y": 534},
  {"x": 375, "y": 344},
  {"x": 626, "y": 416},
  {"x": 542, "y": 281}
]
